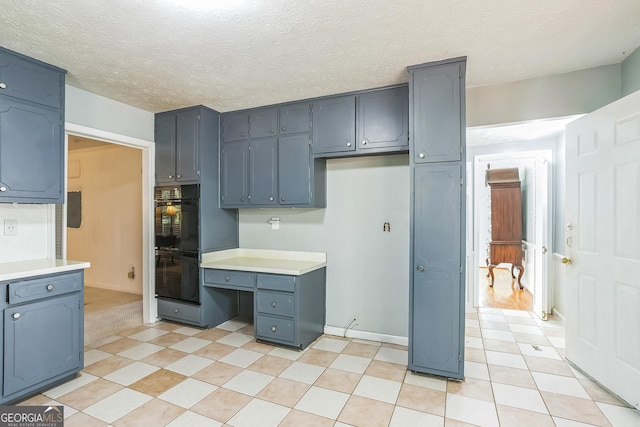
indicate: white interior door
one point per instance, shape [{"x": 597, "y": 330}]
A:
[
  {"x": 603, "y": 241},
  {"x": 541, "y": 254}
]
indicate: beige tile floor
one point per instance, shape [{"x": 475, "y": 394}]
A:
[{"x": 168, "y": 374}]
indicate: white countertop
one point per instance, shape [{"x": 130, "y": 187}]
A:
[
  {"x": 38, "y": 267},
  {"x": 291, "y": 263}
]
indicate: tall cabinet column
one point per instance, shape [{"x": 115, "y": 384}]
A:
[{"x": 437, "y": 151}]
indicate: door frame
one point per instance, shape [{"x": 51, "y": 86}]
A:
[
  {"x": 149, "y": 304},
  {"x": 473, "y": 182}
]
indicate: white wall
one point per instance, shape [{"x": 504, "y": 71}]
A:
[
  {"x": 559, "y": 95},
  {"x": 34, "y": 239},
  {"x": 367, "y": 269},
  {"x": 631, "y": 73},
  {"x": 95, "y": 111},
  {"x": 36, "y": 223}
]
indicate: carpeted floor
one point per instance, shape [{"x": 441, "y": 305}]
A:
[{"x": 107, "y": 313}]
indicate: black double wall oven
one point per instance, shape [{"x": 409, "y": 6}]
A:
[{"x": 177, "y": 242}]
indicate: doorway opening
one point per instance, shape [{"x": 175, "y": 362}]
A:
[
  {"x": 111, "y": 184},
  {"x": 534, "y": 174}
]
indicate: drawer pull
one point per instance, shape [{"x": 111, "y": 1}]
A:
[
  {"x": 273, "y": 328},
  {"x": 3, "y": 188},
  {"x": 227, "y": 278},
  {"x": 16, "y": 315},
  {"x": 3, "y": 85},
  {"x": 176, "y": 310},
  {"x": 273, "y": 304},
  {"x": 49, "y": 287}
]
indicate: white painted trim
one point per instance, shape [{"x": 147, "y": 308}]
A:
[
  {"x": 369, "y": 336},
  {"x": 559, "y": 315},
  {"x": 149, "y": 303}
]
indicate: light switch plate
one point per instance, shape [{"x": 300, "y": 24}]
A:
[{"x": 10, "y": 227}]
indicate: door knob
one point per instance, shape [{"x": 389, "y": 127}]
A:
[{"x": 566, "y": 260}]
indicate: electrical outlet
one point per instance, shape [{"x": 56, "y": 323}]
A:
[{"x": 10, "y": 227}]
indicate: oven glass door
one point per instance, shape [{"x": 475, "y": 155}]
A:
[
  {"x": 177, "y": 275},
  {"x": 176, "y": 225}
]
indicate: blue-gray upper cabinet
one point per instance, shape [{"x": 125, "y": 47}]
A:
[
  {"x": 234, "y": 174},
  {"x": 177, "y": 141},
  {"x": 31, "y": 130},
  {"x": 295, "y": 118},
  {"x": 436, "y": 295},
  {"x": 383, "y": 119},
  {"x": 263, "y": 171},
  {"x": 30, "y": 80},
  {"x": 301, "y": 178},
  {"x": 334, "y": 125},
  {"x": 263, "y": 123},
  {"x": 235, "y": 126},
  {"x": 437, "y": 112}
]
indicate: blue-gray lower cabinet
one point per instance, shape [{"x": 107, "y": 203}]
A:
[
  {"x": 43, "y": 333},
  {"x": 288, "y": 310},
  {"x": 436, "y": 311}
]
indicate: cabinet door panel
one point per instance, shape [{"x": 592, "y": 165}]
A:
[
  {"x": 436, "y": 337},
  {"x": 334, "y": 124},
  {"x": 41, "y": 340},
  {"x": 383, "y": 119},
  {"x": 165, "y": 138},
  {"x": 235, "y": 127},
  {"x": 294, "y": 176},
  {"x": 30, "y": 135},
  {"x": 295, "y": 118},
  {"x": 263, "y": 123},
  {"x": 263, "y": 167},
  {"x": 437, "y": 113},
  {"x": 234, "y": 178},
  {"x": 187, "y": 161},
  {"x": 30, "y": 81}
]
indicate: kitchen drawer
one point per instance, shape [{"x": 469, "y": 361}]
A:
[
  {"x": 44, "y": 287},
  {"x": 174, "y": 310},
  {"x": 274, "y": 328},
  {"x": 276, "y": 303},
  {"x": 229, "y": 279},
  {"x": 276, "y": 282}
]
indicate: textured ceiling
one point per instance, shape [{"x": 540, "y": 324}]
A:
[{"x": 159, "y": 55}]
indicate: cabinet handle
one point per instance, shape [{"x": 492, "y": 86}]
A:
[
  {"x": 16, "y": 315},
  {"x": 3, "y": 188},
  {"x": 271, "y": 130},
  {"x": 242, "y": 199},
  {"x": 227, "y": 278},
  {"x": 420, "y": 268},
  {"x": 364, "y": 142},
  {"x": 421, "y": 155},
  {"x": 49, "y": 287},
  {"x": 271, "y": 199},
  {"x": 282, "y": 198},
  {"x": 273, "y": 328},
  {"x": 348, "y": 144},
  {"x": 242, "y": 134},
  {"x": 284, "y": 128},
  {"x": 170, "y": 176},
  {"x": 179, "y": 176},
  {"x": 273, "y": 304},
  {"x": 176, "y": 310},
  {"x": 3, "y": 85}
]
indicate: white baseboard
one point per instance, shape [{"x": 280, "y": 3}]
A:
[
  {"x": 556, "y": 313},
  {"x": 369, "y": 336}
]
